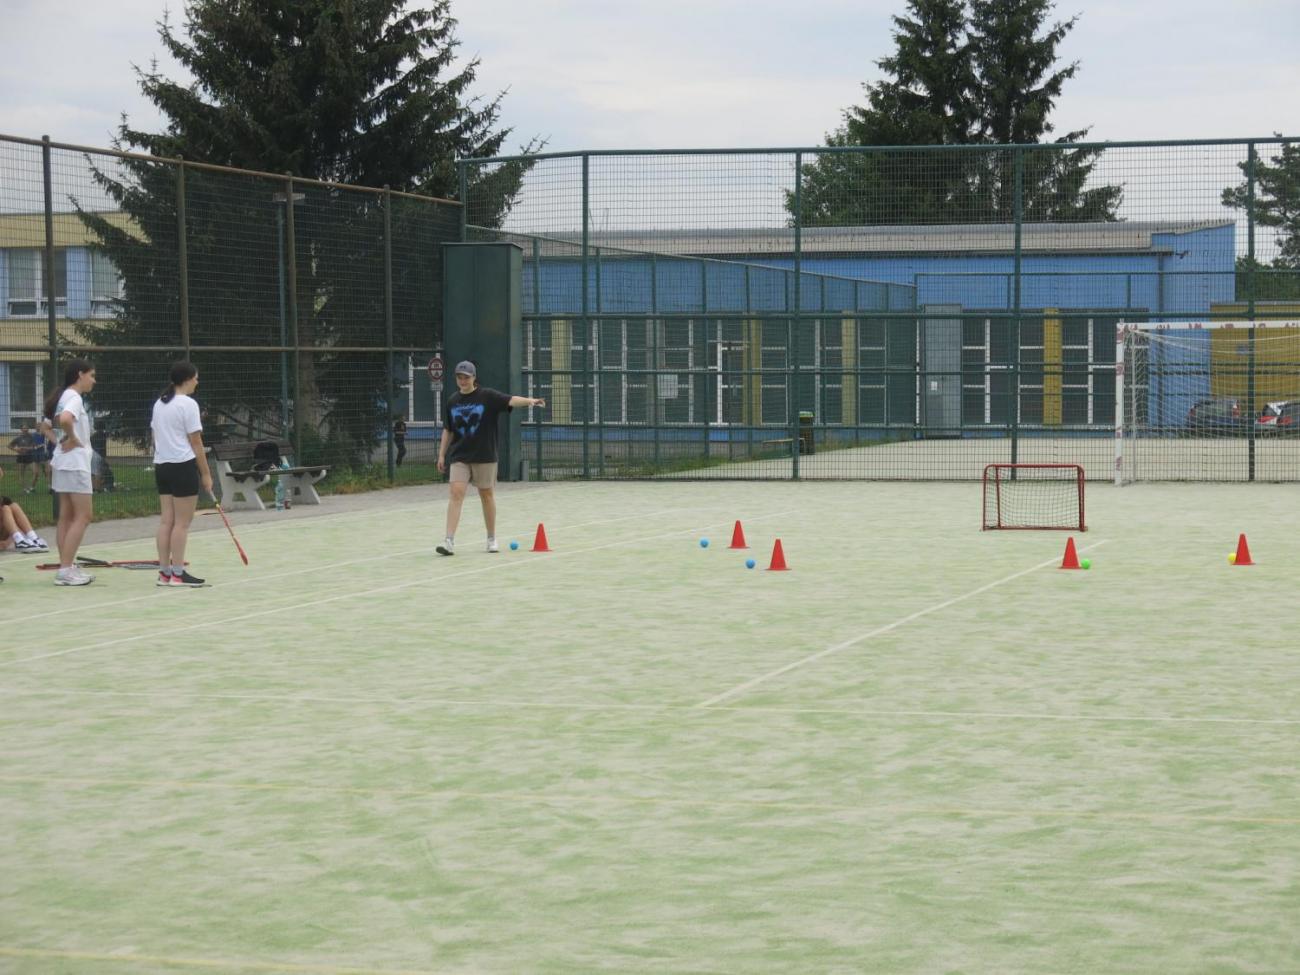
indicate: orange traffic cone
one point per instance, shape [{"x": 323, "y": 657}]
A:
[
  {"x": 738, "y": 537},
  {"x": 539, "y": 543},
  {"x": 1071, "y": 560},
  {"x": 1243, "y": 552},
  {"x": 778, "y": 559}
]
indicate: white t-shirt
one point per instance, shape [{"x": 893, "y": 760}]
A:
[
  {"x": 77, "y": 459},
  {"x": 172, "y": 424}
]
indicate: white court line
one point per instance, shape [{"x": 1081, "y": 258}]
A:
[
  {"x": 258, "y": 579},
  {"x": 812, "y": 658},
  {"x": 433, "y": 580},
  {"x": 484, "y": 704},
  {"x": 609, "y": 798}
]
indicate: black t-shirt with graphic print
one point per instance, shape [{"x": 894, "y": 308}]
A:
[{"x": 472, "y": 420}]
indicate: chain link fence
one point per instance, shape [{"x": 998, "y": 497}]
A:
[
  {"x": 872, "y": 312},
  {"x": 310, "y": 309}
]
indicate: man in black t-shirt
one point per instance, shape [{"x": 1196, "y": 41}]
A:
[{"x": 469, "y": 448}]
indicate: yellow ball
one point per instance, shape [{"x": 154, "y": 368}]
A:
[{"x": 1232, "y": 558}]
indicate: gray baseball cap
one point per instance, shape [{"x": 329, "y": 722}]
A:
[{"x": 466, "y": 368}]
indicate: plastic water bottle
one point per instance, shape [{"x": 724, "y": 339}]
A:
[{"x": 285, "y": 500}]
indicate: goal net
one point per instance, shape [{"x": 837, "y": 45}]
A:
[
  {"x": 1033, "y": 496},
  {"x": 1207, "y": 401}
]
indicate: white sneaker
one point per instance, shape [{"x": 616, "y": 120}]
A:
[
  {"x": 24, "y": 547},
  {"x": 41, "y": 544},
  {"x": 448, "y": 547},
  {"x": 72, "y": 577},
  {"x": 492, "y": 545}
]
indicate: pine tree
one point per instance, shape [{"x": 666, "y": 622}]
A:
[
  {"x": 1277, "y": 200},
  {"x": 1276, "y": 204},
  {"x": 961, "y": 74},
  {"x": 1019, "y": 84},
  {"x": 926, "y": 101},
  {"x": 352, "y": 91}
]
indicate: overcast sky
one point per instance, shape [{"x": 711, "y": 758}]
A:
[{"x": 587, "y": 74}]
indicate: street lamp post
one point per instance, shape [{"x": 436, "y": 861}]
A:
[{"x": 278, "y": 199}]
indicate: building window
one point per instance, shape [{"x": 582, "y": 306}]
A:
[
  {"x": 106, "y": 290},
  {"x": 24, "y": 391},
  {"x": 27, "y": 298}
]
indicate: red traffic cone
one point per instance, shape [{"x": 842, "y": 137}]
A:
[
  {"x": 778, "y": 559},
  {"x": 1071, "y": 560},
  {"x": 539, "y": 543},
  {"x": 738, "y": 537},
  {"x": 1243, "y": 551}
]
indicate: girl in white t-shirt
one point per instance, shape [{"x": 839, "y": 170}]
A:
[
  {"x": 69, "y": 423},
  {"x": 180, "y": 467}
]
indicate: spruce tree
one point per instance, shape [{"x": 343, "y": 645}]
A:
[
  {"x": 1277, "y": 205},
  {"x": 352, "y": 91},
  {"x": 926, "y": 100},
  {"x": 1019, "y": 82},
  {"x": 964, "y": 72}
]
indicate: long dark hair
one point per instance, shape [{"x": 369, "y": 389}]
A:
[
  {"x": 182, "y": 372},
  {"x": 72, "y": 371}
]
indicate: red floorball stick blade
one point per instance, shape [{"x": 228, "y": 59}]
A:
[{"x": 242, "y": 554}]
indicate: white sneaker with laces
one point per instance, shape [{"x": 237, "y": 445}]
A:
[
  {"x": 41, "y": 544},
  {"x": 72, "y": 577},
  {"x": 492, "y": 545},
  {"x": 24, "y": 547}
]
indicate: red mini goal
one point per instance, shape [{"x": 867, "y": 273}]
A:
[{"x": 1033, "y": 496}]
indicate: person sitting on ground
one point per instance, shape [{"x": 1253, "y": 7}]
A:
[{"x": 16, "y": 530}]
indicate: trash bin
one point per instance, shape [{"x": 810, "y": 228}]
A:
[{"x": 805, "y": 432}]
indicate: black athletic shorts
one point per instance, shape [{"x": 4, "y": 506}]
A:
[{"x": 179, "y": 480}]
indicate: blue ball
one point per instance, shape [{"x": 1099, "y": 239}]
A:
[
  {"x": 704, "y": 543},
  {"x": 749, "y": 563},
  {"x": 513, "y": 546}
]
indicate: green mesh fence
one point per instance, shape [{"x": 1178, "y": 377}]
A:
[
  {"x": 309, "y": 309},
  {"x": 872, "y": 313}
]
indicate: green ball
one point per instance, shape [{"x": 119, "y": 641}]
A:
[{"x": 1086, "y": 564}]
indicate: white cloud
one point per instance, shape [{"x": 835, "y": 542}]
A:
[{"x": 680, "y": 73}]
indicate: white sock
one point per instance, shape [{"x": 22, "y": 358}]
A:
[{"x": 31, "y": 536}]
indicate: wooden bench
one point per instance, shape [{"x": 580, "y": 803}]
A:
[{"x": 237, "y": 478}]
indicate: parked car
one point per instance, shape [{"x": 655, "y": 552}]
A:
[
  {"x": 1287, "y": 421},
  {"x": 1266, "y": 422},
  {"x": 1217, "y": 416}
]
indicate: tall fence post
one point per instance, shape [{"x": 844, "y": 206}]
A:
[
  {"x": 182, "y": 255},
  {"x": 291, "y": 268},
  {"x": 586, "y": 321},
  {"x": 652, "y": 354},
  {"x": 462, "y": 190},
  {"x": 390, "y": 417},
  {"x": 535, "y": 344},
  {"x": 792, "y": 332},
  {"x": 1017, "y": 217},
  {"x": 1251, "y": 284},
  {"x": 597, "y": 391},
  {"x": 47, "y": 179}
]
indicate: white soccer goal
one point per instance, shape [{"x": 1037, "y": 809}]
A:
[{"x": 1207, "y": 401}]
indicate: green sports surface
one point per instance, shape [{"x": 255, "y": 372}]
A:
[{"x": 923, "y": 749}]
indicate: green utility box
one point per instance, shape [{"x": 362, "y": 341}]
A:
[{"x": 483, "y": 322}]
